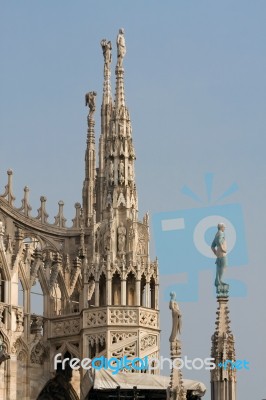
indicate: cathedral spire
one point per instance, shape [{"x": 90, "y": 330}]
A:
[
  {"x": 223, "y": 377},
  {"x": 90, "y": 162},
  {"x": 116, "y": 187},
  {"x": 107, "y": 94}
]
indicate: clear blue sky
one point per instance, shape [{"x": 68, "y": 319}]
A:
[{"x": 196, "y": 90}]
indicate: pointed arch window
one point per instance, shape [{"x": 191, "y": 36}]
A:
[
  {"x": 102, "y": 290},
  {"x": 116, "y": 290},
  {"x": 131, "y": 289}
]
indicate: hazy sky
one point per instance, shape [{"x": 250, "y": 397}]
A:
[{"x": 196, "y": 91}]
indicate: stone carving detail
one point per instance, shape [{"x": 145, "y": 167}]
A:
[
  {"x": 96, "y": 318},
  {"x": 98, "y": 338},
  {"x": 68, "y": 327},
  {"x": 128, "y": 351},
  {"x": 38, "y": 353},
  {"x": 121, "y": 172},
  {"x": 148, "y": 341},
  {"x": 125, "y": 317},
  {"x": 19, "y": 315},
  {"x": 90, "y": 101},
  {"x": 22, "y": 356},
  {"x": 117, "y": 337},
  {"x": 121, "y": 238},
  {"x": 106, "y": 47},
  {"x": 2, "y": 309},
  {"x": 148, "y": 319},
  {"x": 36, "y": 325}
]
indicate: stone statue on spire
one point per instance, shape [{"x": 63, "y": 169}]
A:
[
  {"x": 90, "y": 101},
  {"x": 107, "y": 47},
  {"x": 219, "y": 249},
  {"x": 176, "y": 317},
  {"x": 121, "y": 47}
]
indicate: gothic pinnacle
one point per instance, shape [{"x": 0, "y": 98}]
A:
[
  {"x": 107, "y": 54},
  {"x": 119, "y": 71},
  {"x": 90, "y": 162}
]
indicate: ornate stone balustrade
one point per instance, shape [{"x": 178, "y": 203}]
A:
[
  {"x": 64, "y": 326},
  {"x": 119, "y": 315},
  {"x": 103, "y": 316}
]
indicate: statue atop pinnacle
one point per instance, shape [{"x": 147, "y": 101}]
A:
[
  {"x": 107, "y": 53},
  {"x": 219, "y": 248},
  {"x": 121, "y": 47},
  {"x": 90, "y": 101}
]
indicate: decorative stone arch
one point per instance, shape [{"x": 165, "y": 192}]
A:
[
  {"x": 102, "y": 289},
  {"x": 133, "y": 271},
  {"x": 23, "y": 276},
  {"x": 20, "y": 345},
  {"x": 101, "y": 270},
  {"x": 31, "y": 236},
  {"x": 62, "y": 283},
  {"x": 63, "y": 349}
]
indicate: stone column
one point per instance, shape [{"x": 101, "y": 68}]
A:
[
  {"x": 97, "y": 294},
  {"x": 109, "y": 291},
  {"x": 137, "y": 293},
  {"x": 123, "y": 292},
  {"x": 156, "y": 296},
  {"x": 147, "y": 293}
]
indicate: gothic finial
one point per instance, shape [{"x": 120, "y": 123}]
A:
[
  {"x": 42, "y": 214},
  {"x": 9, "y": 189},
  {"x": 76, "y": 221},
  {"x": 60, "y": 220},
  {"x": 26, "y": 208}
]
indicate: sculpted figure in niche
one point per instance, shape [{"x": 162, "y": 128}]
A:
[
  {"x": 109, "y": 199},
  {"x": 121, "y": 171},
  {"x": 121, "y": 238},
  {"x": 111, "y": 172},
  {"x": 130, "y": 172},
  {"x": 107, "y": 240},
  {"x": 131, "y": 236}
]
